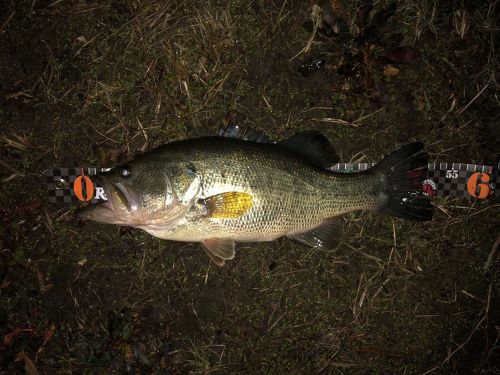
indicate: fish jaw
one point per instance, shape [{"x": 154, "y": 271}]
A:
[
  {"x": 120, "y": 208},
  {"x": 104, "y": 213},
  {"x": 124, "y": 207},
  {"x": 100, "y": 212}
]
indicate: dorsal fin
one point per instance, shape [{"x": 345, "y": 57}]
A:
[
  {"x": 314, "y": 147},
  {"x": 245, "y": 133}
]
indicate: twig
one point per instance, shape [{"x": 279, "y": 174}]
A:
[
  {"x": 361, "y": 119},
  {"x": 316, "y": 18},
  {"x": 354, "y": 123},
  {"x": 473, "y": 99},
  {"x": 4, "y": 25},
  {"x": 485, "y": 315},
  {"x": 491, "y": 256},
  {"x": 335, "y": 121},
  {"x": 85, "y": 45}
]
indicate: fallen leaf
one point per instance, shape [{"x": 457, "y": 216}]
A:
[
  {"x": 43, "y": 285},
  {"x": 82, "y": 262},
  {"x": 163, "y": 363},
  {"x": 29, "y": 366},
  {"x": 129, "y": 352},
  {"x": 49, "y": 334},
  {"x": 401, "y": 55},
  {"x": 421, "y": 102},
  {"x": 390, "y": 70},
  {"x": 5, "y": 283},
  {"x": 338, "y": 9},
  {"x": 108, "y": 156},
  {"x": 9, "y": 337}
]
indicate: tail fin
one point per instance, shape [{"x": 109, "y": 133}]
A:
[{"x": 401, "y": 175}]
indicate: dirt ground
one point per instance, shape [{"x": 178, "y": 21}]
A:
[{"x": 86, "y": 83}]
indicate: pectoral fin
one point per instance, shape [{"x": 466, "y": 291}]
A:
[
  {"x": 325, "y": 236},
  {"x": 228, "y": 205},
  {"x": 219, "y": 249}
]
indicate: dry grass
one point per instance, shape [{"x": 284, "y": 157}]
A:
[{"x": 107, "y": 80}]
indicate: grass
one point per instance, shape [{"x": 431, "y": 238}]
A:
[{"x": 93, "y": 83}]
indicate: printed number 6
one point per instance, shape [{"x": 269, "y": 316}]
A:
[{"x": 480, "y": 180}]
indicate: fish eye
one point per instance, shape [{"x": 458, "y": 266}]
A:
[{"x": 125, "y": 172}]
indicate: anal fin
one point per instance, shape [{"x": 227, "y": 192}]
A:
[
  {"x": 325, "y": 236},
  {"x": 219, "y": 249}
]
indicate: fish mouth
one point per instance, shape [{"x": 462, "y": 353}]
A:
[{"x": 122, "y": 202}]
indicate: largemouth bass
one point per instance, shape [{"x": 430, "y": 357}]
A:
[{"x": 221, "y": 190}]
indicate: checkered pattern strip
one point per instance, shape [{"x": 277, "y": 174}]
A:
[
  {"x": 59, "y": 182},
  {"x": 450, "y": 179},
  {"x": 351, "y": 167}
]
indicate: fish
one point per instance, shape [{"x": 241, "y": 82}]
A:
[{"x": 239, "y": 186}]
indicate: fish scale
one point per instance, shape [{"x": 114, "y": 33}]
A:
[{"x": 289, "y": 195}]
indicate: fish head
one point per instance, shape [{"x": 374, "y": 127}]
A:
[{"x": 145, "y": 193}]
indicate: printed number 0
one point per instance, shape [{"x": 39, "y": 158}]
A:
[
  {"x": 479, "y": 179},
  {"x": 78, "y": 189}
]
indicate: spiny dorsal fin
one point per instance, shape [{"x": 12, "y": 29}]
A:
[
  {"x": 314, "y": 147},
  {"x": 219, "y": 249},
  {"x": 325, "y": 236},
  {"x": 245, "y": 133},
  {"x": 229, "y": 205}
]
